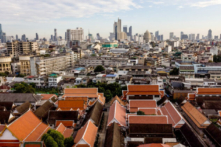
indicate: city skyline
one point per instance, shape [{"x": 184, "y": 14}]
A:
[{"x": 189, "y": 17}]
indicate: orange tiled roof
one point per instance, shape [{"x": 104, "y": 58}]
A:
[
  {"x": 66, "y": 123},
  {"x": 27, "y": 127},
  {"x": 88, "y": 133},
  {"x": 124, "y": 92},
  {"x": 67, "y": 105},
  {"x": 76, "y": 98},
  {"x": 173, "y": 115},
  {"x": 47, "y": 96},
  {"x": 135, "y": 104},
  {"x": 198, "y": 118},
  {"x": 81, "y": 92},
  {"x": 209, "y": 91},
  {"x": 191, "y": 96},
  {"x": 65, "y": 131},
  {"x": 118, "y": 113},
  {"x": 119, "y": 100},
  {"x": 101, "y": 98},
  {"x": 142, "y": 88},
  {"x": 148, "y": 119}
]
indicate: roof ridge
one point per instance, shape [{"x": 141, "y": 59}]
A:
[
  {"x": 32, "y": 131},
  {"x": 19, "y": 117},
  {"x": 42, "y": 133}
]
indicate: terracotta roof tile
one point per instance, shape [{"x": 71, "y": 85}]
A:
[
  {"x": 148, "y": 119},
  {"x": 65, "y": 131},
  {"x": 198, "y": 118},
  {"x": 81, "y": 92},
  {"x": 135, "y": 104},
  {"x": 209, "y": 91},
  {"x": 47, "y": 96},
  {"x": 118, "y": 113},
  {"x": 88, "y": 133},
  {"x": 142, "y": 88},
  {"x": 29, "y": 126},
  {"x": 74, "y": 105},
  {"x": 66, "y": 123},
  {"x": 119, "y": 100}
]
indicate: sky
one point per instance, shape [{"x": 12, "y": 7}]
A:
[{"x": 97, "y": 16}]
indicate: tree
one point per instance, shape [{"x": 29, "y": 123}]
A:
[
  {"x": 152, "y": 44},
  {"x": 53, "y": 138},
  {"x": 69, "y": 142},
  {"x": 99, "y": 68},
  {"x": 23, "y": 88},
  {"x": 108, "y": 95},
  {"x": 140, "y": 113},
  {"x": 175, "y": 71}
]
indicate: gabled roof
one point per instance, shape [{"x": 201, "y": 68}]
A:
[
  {"x": 42, "y": 111},
  {"x": 117, "y": 113},
  {"x": 148, "y": 119},
  {"x": 4, "y": 117},
  {"x": 19, "y": 97},
  {"x": 81, "y": 92},
  {"x": 71, "y": 104},
  {"x": 174, "y": 116},
  {"x": 101, "y": 98},
  {"x": 113, "y": 136},
  {"x": 7, "y": 105},
  {"x": 135, "y": 104},
  {"x": 66, "y": 123},
  {"x": 209, "y": 91},
  {"x": 54, "y": 116},
  {"x": 196, "y": 116},
  {"x": 143, "y": 90},
  {"x": 48, "y": 96},
  {"x": 65, "y": 131},
  {"x": 87, "y": 133},
  {"x": 148, "y": 111},
  {"x": 27, "y": 127},
  {"x": 23, "y": 108},
  {"x": 119, "y": 100},
  {"x": 94, "y": 113}
]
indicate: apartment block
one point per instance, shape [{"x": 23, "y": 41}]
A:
[
  {"x": 5, "y": 64},
  {"x": 25, "y": 67},
  {"x": 46, "y": 65}
]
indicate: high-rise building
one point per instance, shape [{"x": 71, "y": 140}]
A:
[
  {"x": 117, "y": 29},
  {"x": 171, "y": 35},
  {"x": 152, "y": 36},
  {"x": 210, "y": 36},
  {"x": 184, "y": 37},
  {"x": 161, "y": 37},
  {"x": 216, "y": 37},
  {"x": 181, "y": 35},
  {"x": 52, "y": 38},
  {"x": 77, "y": 34},
  {"x": 198, "y": 37},
  {"x": 147, "y": 37},
  {"x": 98, "y": 36},
  {"x": 192, "y": 37},
  {"x": 125, "y": 29},
  {"x": 220, "y": 37},
  {"x": 16, "y": 37},
  {"x": 130, "y": 32},
  {"x": 3, "y": 37},
  {"x": 36, "y": 36},
  {"x": 1, "y": 33},
  {"x": 55, "y": 35},
  {"x": 23, "y": 37},
  {"x": 65, "y": 36},
  {"x": 157, "y": 35}
]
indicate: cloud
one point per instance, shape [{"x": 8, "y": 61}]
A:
[
  {"x": 45, "y": 10},
  {"x": 180, "y": 7},
  {"x": 206, "y": 3}
]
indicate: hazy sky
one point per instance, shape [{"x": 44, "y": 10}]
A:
[{"x": 97, "y": 16}]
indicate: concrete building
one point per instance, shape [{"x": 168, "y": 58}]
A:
[
  {"x": 210, "y": 36},
  {"x": 41, "y": 66},
  {"x": 147, "y": 37},
  {"x": 55, "y": 35},
  {"x": 5, "y": 64},
  {"x": 171, "y": 35},
  {"x": 25, "y": 67},
  {"x": 16, "y": 48},
  {"x": 77, "y": 34}
]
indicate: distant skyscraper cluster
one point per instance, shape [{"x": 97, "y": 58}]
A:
[
  {"x": 118, "y": 33},
  {"x": 158, "y": 37}
]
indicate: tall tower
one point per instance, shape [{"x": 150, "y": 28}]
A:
[
  {"x": 130, "y": 32},
  {"x": 171, "y": 35},
  {"x": 1, "y": 32},
  {"x": 157, "y": 35},
  {"x": 125, "y": 29},
  {"x": 55, "y": 34},
  {"x": 115, "y": 30},
  {"x": 210, "y": 36},
  {"x": 36, "y": 36}
]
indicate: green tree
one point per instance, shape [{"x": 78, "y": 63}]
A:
[
  {"x": 23, "y": 88},
  {"x": 140, "y": 113},
  {"x": 108, "y": 95},
  {"x": 69, "y": 142},
  {"x": 99, "y": 68},
  {"x": 152, "y": 44},
  {"x": 175, "y": 71},
  {"x": 53, "y": 138}
]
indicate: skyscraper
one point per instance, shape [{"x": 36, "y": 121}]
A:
[
  {"x": 98, "y": 36},
  {"x": 210, "y": 36},
  {"x": 181, "y": 34},
  {"x": 198, "y": 37},
  {"x": 3, "y": 37},
  {"x": 157, "y": 35},
  {"x": 1, "y": 32},
  {"x": 125, "y": 29},
  {"x": 147, "y": 37},
  {"x": 23, "y": 37},
  {"x": 65, "y": 36},
  {"x": 36, "y": 36},
  {"x": 171, "y": 35},
  {"x": 130, "y": 32},
  {"x": 117, "y": 29},
  {"x": 16, "y": 37},
  {"x": 55, "y": 35},
  {"x": 161, "y": 37}
]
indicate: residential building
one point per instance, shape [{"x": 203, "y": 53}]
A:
[
  {"x": 76, "y": 34},
  {"x": 5, "y": 64},
  {"x": 41, "y": 66},
  {"x": 25, "y": 67},
  {"x": 54, "y": 79}
]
